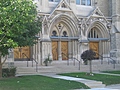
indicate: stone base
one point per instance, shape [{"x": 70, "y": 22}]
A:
[
  {"x": 8, "y": 65},
  {"x": 115, "y": 55}
]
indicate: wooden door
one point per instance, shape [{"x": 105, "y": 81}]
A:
[
  {"x": 64, "y": 50},
  {"x": 55, "y": 50},
  {"x": 95, "y": 47},
  {"x": 18, "y": 52}
]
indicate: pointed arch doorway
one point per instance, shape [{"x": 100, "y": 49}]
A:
[
  {"x": 94, "y": 36},
  {"x": 60, "y": 42}
]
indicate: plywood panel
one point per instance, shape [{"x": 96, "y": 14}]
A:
[
  {"x": 95, "y": 47},
  {"x": 64, "y": 50},
  {"x": 18, "y": 52},
  {"x": 55, "y": 50}
]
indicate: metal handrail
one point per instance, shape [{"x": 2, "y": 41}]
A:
[
  {"x": 32, "y": 59},
  {"x": 28, "y": 59},
  {"x": 108, "y": 60},
  {"x": 72, "y": 58},
  {"x": 36, "y": 63}
]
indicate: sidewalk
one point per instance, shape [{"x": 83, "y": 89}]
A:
[{"x": 94, "y": 85}]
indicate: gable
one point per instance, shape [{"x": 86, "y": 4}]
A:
[
  {"x": 63, "y": 8},
  {"x": 97, "y": 12}
]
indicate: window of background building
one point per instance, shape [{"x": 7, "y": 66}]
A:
[
  {"x": 54, "y": 0},
  {"x": 83, "y": 2}
]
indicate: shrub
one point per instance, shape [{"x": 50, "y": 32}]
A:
[
  {"x": 88, "y": 55},
  {"x": 47, "y": 60},
  {"x": 8, "y": 72}
]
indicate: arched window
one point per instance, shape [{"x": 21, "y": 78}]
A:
[
  {"x": 54, "y": 33},
  {"x": 94, "y": 33},
  {"x": 83, "y": 2},
  {"x": 54, "y": 0},
  {"x": 64, "y": 34}
]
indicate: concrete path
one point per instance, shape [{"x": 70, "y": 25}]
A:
[
  {"x": 94, "y": 85},
  {"x": 89, "y": 83}
]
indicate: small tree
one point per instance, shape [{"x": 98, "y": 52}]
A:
[
  {"x": 18, "y": 25},
  {"x": 88, "y": 55}
]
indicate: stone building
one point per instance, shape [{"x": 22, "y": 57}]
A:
[{"x": 70, "y": 27}]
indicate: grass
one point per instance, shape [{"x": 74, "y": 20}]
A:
[
  {"x": 106, "y": 79},
  {"x": 113, "y": 72},
  {"x": 38, "y": 83}
]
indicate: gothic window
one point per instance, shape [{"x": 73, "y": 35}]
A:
[
  {"x": 88, "y": 2},
  {"x": 54, "y": 0},
  {"x": 93, "y": 33},
  {"x": 78, "y": 2},
  {"x": 83, "y": 2},
  {"x": 54, "y": 33},
  {"x": 64, "y": 34}
]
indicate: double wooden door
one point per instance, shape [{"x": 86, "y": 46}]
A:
[
  {"x": 64, "y": 50},
  {"x": 21, "y": 53},
  {"x": 95, "y": 47}
]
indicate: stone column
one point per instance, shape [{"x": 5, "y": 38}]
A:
[
  {"x": 115, "y": 31},
  {"x": 59, "y": 51},
  {"x": 39, "y": 53}
]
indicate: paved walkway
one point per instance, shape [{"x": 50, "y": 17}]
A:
[{"x": 94, "y": 85}]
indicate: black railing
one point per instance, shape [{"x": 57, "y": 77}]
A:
[
  {"x": 73, "y": 58},
  {"x": 109, "y": 58},
  {"x": 30, "y": 59}
]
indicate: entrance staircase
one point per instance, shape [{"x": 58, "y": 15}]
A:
[{"x": 64, "y": 67}]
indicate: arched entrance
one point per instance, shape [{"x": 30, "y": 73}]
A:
[
  {"x": 94, "y": 36},
  {"x": 63, "y": 30},
  {"x": 59, "y": 36},
  {"x": 98, "y": 37}
]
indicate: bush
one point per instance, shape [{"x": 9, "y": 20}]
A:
[
  {"x": 88, "y": 55},
  {"x": 8, "y": 72},
  {"x": 47, "y": 60}
]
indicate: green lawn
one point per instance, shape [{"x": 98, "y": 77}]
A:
[
  {"x": 38, "y": 83},
  {"x": 113, "y": 72},
  {"x": 106, "y": 79}
]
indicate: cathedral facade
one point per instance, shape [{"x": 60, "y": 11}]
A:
[{"x": 70, "y": 27}]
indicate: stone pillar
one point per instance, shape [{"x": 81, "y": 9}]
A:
[
  {"x": 59, "y": 51},
  {"x": 115, "y": 46},
  {"x": 115, "y": 31},
  {"x": 39, "y": 53}
]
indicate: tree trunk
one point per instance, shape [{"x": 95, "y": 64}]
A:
[
  {"x": 0, "y": 68},
  {"x": 90, "y": 66}
]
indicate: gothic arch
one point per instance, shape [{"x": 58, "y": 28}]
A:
[
  {"x": 101, "y": 27},
  {"x": 67, "y": 21}
]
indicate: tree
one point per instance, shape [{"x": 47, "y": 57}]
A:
[
  {"x": 18, "y": 25},
  {"x": 88, "y": 55}
]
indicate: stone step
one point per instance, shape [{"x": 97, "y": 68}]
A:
[
  {"x": 21, "y": 70},
  {"x": 95, "y": 85},
  {"x": 62, "y": 67}
]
